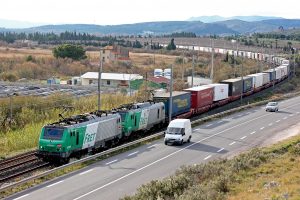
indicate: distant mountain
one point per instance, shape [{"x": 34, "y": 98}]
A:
[
  {"x": 17, "y": 24},
  {"x": 156, "y": 28},
  {"x": 227, "y": 27},
  {"x": 217, "y": 18},
  {"x": 244, "y": 27}
]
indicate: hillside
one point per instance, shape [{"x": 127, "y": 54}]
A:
[
  {"x": 228, "y": 27},
  {"x": 217, "y": 18}
]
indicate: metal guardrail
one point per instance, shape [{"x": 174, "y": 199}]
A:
[{"x": 196, "y": 122}]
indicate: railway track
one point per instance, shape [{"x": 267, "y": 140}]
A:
[{"x": 20, "y": 165}]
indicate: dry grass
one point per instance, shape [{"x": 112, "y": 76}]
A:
[{"x": 283, "y": 172}]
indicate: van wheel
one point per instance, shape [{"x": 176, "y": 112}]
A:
[
  {"x": 181, "y": 142},
  {"x": 166, "y": 143},
  {"x": 189, "y": 140}
]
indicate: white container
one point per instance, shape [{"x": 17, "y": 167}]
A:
[
  {"x": 284, "y": 70},
  {"x": 278, "y": 73},
  {"x": 257, "y": 80},
  {"x": 158, "y": 72},
  {"x": 266, "y": 78},
  {"x": 285, "y": 62},
  {"x": 220, "y": 91}
]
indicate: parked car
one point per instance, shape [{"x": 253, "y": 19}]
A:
[{"x": 272, "y": 106}]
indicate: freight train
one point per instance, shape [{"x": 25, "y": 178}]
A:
[{"x": 81, "y": 134}]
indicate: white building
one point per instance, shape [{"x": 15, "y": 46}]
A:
[{"x": 113, "y": 80}]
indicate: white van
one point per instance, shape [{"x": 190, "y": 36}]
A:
[{"x": 178, "y": 131}]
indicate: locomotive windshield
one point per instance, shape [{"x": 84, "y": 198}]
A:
[
  {"x": 53, "y": 133},
  {"x": 123, "y": 114},
  {"x": 175, "y": 131}
]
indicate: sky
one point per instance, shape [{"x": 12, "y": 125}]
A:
[{"x": 112, "y": 12}]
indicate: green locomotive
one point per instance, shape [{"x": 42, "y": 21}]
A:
[
  {"x": 80, "y": 134},
  {"x": 141, "y": 116}
]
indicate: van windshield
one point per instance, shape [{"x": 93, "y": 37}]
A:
[
  {"x": 53, "y": 133},
  {"x": 175, "y": 130}
]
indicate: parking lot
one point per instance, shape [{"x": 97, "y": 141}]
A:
[{"x": 43, "y": 90}]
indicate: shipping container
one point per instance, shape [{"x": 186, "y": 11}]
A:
[
  {"x": 278, "y": 73},
  {"x": 247, "y": 84},
  {"x": 220, "y": 91},
  {"x": 284, "y": 70},
  {"x": 285, "y": 62},
  {"x": 200, "y": 96},
  {"x": 235, "y": 86},
  {"x": 181, "y": 102},
  {"x": 266, "y": 78},
  {"x": 272, "y": 74},
  {"x": 257, "y": 80}
]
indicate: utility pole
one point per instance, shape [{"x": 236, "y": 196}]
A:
[
  {"x": 193, "y": 71},
  {"x": 242, "y": 82},
  {"x": 147, "y": 96},
  {"x": 99, "y": 80},
  {"x": 10, "y": 106},
  {"x": 212, "y": 60},
  {"x": 171, "y": 95}
]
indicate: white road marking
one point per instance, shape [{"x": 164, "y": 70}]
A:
[
  {"x": 298, "y": 112},
  {"x": 284, "y": 118},
  {"x": 111, "y": 162},
  {"x": 232, "y": 143},
  {"x": 278, "y": 121},
  {"x": 207, "y": 157},
  {"x": 54, "y": 184},
  {"x": 175, "y": 152},
  {"x": 25, "y": 195},
  {"x": 151, "y": 146},
  {"x": 239, "y": 115},
  {"x": 220, "y": 150},
  {"x": 220, "y": 122},
  {"x": 252, "y": 132},
  {"x": 131, "y": 154},
  {"x": 208, "y": 125},
  {"x": 291, "y": 115},
  {"x": 270, "y": 124},
  {"x": 243, "y": 137},
  {"x": 197, "y": 129},
  {"x": 248, "y": 113},
  {"x": 262, "y": 128},
  {"x": 82, "y": 173}
]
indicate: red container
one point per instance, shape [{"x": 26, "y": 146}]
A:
[{"x": 201, "y": 96}]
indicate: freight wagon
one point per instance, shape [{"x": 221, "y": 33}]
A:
[
  {"x": 235, "y": 86},
  {"x": 181, "y": 102},
  {"x": 201, "y": 98}
]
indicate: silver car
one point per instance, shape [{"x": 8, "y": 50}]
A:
[{"x": 272, "y": 106}]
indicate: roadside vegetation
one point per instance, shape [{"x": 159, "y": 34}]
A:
[
  {"x": 30, "y": 114},
  {"x": 266, "y": 173}
]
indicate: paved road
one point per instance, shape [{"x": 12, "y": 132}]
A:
[{"x": 123, "y": 174}]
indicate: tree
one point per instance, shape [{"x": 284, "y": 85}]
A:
[
  {"x": 171, "y": 45},
  {"x": 74, "y": 52}
]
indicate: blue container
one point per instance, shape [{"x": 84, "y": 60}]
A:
[{"x": 181, "y": 102}]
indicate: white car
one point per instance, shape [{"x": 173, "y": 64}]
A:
[{"x": 272, "y": 106}]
